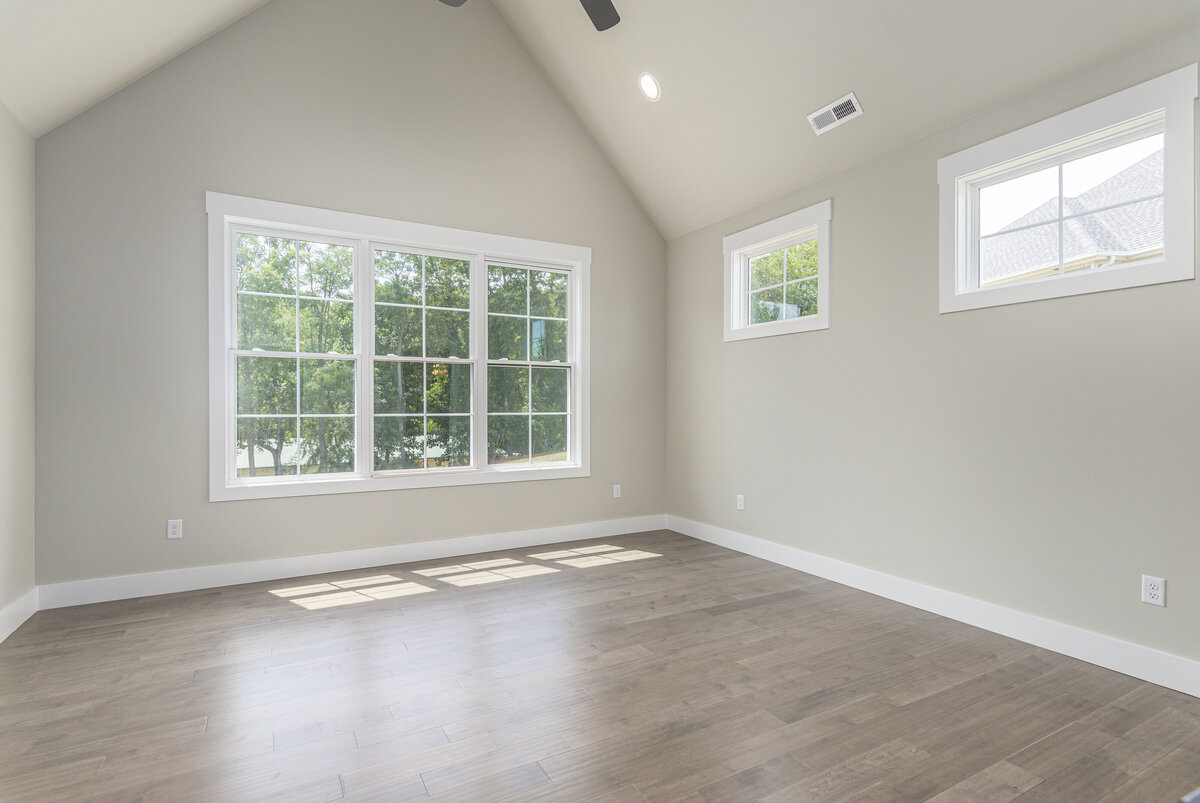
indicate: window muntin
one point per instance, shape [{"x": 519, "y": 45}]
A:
[
  {"x": 529, "y": 376},
  {"x": 1098, "y": 205},
  {"x": 422, "y": 366},
  {"x": 1098, "y": 198},
  {"x": 294, "y": 355},
  {"x": 346, "y": 357},
  {"x": 777, "y": 275}
]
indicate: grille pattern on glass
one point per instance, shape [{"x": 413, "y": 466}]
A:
[
  {"x": 783, "y": 283},
  {"x": 295, "y": 367},
  {"x": 422, "y": 370},
  {"x": 529, "y": 373},
  {"x": 1100, "y": 210}
]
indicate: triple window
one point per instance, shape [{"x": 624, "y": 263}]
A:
[{"x": 354, "y": 356}]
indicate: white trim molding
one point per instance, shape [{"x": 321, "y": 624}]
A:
[
  {"x": 131, "y": 586},
  {"x": 1146, "y": 663},
  {"x": 17, "y": 612}
]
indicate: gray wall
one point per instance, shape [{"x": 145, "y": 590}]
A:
[
  {"x": 408, "y": 110},
  {"x": 16, "y": 359},
  {"x": 1040, "y": 456}
]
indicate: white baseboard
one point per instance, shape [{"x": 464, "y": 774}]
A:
[
  {"x": 14, "y": 614},
  {"x": 1155, "y": 666},
  {"x": 104, "y": 589}
]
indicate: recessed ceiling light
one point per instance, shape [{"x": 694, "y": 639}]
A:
[{"x": 649, "y": 86}]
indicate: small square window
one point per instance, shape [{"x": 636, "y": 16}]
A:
[{"x": 777, "y": 276}]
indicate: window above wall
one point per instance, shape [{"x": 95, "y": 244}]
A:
[
  {"x": 350, "y": 353},
  {"x": 777, "y": 276},
  {"x": 1097, "y": 198}
]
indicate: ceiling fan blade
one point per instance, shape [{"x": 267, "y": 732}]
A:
[
  {"x": 602, "y": 13},
  {"x": 455, "y": 3}
]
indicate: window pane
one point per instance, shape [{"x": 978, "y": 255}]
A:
[
  {"x": 266, "y": 264},
  {"x": 447, "y": 334},
  {"x": 508, "y": 438},
  {"x": 399, "y": 443},
  {"x": 550, "y": 390},
  {"x": 398, "y": 387},
  {"x": 1118, "y": 236},
  {"x": 548, "y": 340},
  {"x": 448, "y": 441},
  {"x": 447, "y": 283},
  {"x": 547, "y": 294},
  {"x": 508, "y": 389},
  {"x": 326, "y": 326},
  {"x": 508, "y": 290},
  {"x": 325, "y": 271},
  {"x": 266, "y": 322},
  {"x": 326, "y": 445},
  {"x": 507, "y": 338},
  {"x": 326, "y": 386},
  {"x": 266, "y": 386},
  {"x": 449, "y": 387},
  {"x": 397, "y": 277},
  {"x": 802, "y": 260},
  {"x": 266, "y": 447},
  {"x": 1018, "y": 255},
  {"x": 800, "y": 299},
  {"x": 398, "y": 331},
  {"x": 1019, "y": 202},
  {"x": 766, "y": 305},
  {"x": 767, "y": 270},
  {"x": 1115, "y": 176},
  {"x": 549, "y": 438}
]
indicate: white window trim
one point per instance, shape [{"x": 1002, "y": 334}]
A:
[
  {"x": 797, "y": 227},
  {"x": 1175, "y": 93},
  {"x": 226, "y": 212}
]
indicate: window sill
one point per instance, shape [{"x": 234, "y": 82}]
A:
[{"x": 439, "y": 478}]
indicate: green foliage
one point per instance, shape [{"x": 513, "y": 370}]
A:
[
  {"x": 550, "y": 390},
  {"x": 508, "y": 438},
  {"x": 547, "y": 294},
  {"x": 549, "y": 437},
  {"x": 398, "y": 278},
  {"x": 508, "y": 290},
  {"x": 508, "y": 389},
  {"x": 507, "y": 338}
]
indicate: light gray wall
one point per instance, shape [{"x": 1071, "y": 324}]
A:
[
  {"x": 408, "y": 110},
  {"x": 1040, "y": 456},
  {"x": 16, "y": 359}
]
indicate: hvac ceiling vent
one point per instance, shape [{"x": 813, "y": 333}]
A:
[{"x": 835, "y": 114}]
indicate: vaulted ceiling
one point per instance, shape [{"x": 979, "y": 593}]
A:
[{"x": 738, "y": 77}]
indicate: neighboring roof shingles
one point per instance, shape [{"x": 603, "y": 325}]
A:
[{"x": 1124, "y": 230}]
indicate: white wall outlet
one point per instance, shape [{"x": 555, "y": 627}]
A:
[
  {"x": 1154, "y": 591},
  {"x": 174, "y": 528},
  {"x": 741, "y": 502},
  {"x": 616, "y": 490}
]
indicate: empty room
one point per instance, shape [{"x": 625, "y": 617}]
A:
[{"x": 599, "y": 400}]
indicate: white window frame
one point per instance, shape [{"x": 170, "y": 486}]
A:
[
  {"x": 812, "y": 222},
  {"x": 1056, "y": 140},
  {"x": 230, "y": 213}
]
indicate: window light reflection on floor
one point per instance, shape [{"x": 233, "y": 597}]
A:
[{"x": 335, "y": 593}]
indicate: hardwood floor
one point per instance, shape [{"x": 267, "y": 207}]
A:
[{"x": 662, "y": 669}]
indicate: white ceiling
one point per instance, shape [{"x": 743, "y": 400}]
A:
[
  {"x": 739, "y": 77},
  {"x": 59, "y": 57}
]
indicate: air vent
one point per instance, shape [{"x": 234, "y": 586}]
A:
[{"x": 835, "y": 114}]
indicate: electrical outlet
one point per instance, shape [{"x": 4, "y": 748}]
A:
[
  {"x": 1154, "y": 591},
  {"x": 616, "y": 490},
  {"x": 741, "y": 502},
  {"x": 174, "y": 528}
]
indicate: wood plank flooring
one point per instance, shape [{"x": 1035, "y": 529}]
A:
[{"x": 641, "y": 667}]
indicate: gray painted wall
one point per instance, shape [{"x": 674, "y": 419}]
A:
[
  {"x": 1040, "y": 456},
  {"x": 407, "y": 110},
  {"x": 16, "y": 359}
]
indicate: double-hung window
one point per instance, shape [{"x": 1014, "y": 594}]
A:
[
  {"x": 777, "y": 275},
  {"x": 351, "y": 353},
  {"x": 1098, "y": 198}
]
